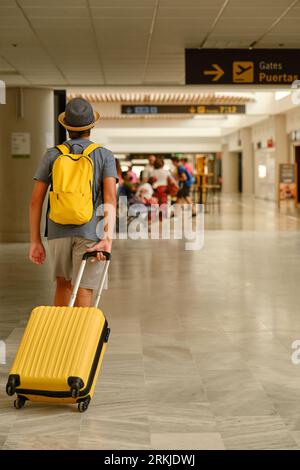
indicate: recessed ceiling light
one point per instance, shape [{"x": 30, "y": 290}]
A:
[{"x": 280, "y": 95}]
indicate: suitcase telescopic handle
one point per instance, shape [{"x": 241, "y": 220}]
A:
[{"x": 86, "y": 256}]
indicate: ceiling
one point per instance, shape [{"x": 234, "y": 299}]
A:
[{"x": 130, "y": 42}]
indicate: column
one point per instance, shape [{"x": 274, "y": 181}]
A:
[
  {"x": 26, "y": 111},
  {"x": 281, "y": 146},
  {"x": 229, "y": 171},
  {"x": 247, "y": 161}
]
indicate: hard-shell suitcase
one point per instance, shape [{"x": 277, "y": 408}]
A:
[{"x": 61, "y": 352}]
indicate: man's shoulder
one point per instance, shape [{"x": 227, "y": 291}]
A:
[
  {"x": 104, "y": 149},
  {"x": 52, "y": 152},
  {"x": 104, "y": 152}
]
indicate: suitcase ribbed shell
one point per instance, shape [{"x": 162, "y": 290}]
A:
[{"x": 58, "y": 342}]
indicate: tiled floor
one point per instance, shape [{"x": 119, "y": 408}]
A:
[{"x": 200, "y": 351}]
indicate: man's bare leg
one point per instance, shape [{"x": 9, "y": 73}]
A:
[
  {"x": 63, "y": 292},
  {"x": 84, "y": 297}
]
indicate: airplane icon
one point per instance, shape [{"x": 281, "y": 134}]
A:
[
  {"x": 243, "y": 69},
  {"x": 243, "y": 72}
]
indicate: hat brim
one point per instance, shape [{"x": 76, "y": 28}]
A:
[{"x": 61, "y": 120}]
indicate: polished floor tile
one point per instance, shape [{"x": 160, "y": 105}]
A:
[
  {"x": 219, "y": 361},
  {"x": 180, "y": 441},
  {"x": 169, "y": 361},
  {"x": 232, "y": 380},
  {"x": 255, "y": 433},
  {"x": 181, "y": 418},
  {"x": 18, "y": 441},
  {"x": 175, "y": 389},
  {"x": 108, "y": 434},
  {"x": 251, "y": 402}
]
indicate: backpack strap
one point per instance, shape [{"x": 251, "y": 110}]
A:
[
  {"x": 90, "y": 148},
  {"x": 63, "y": 149}
]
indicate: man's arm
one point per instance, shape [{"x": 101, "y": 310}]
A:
[
  {"x": 37, "y": 252},
  {"x": 110, "y": 204}
]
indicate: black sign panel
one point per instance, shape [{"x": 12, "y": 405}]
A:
[
  {"x": 287, "y": 173},
  {"x": 274, "y": 67},
  {"x": 184, "y": 109}
]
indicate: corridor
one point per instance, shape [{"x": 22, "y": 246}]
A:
[{"x": 200, "y": 351}]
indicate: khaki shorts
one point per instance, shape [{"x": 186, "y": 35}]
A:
[{"x": 65, "y": 257}]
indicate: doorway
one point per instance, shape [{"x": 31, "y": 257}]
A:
[
  {"x": 240, "y": 172},
  {"x": 297, "y": 161},
  {"x": 60, "y": 133}
]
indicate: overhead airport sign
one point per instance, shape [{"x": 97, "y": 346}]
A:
[
  {"x": 242, "y": 66},
  {"x": 184, "y": 109}
]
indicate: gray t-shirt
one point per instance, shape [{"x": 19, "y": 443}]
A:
[{"x": 104, "y": 165}]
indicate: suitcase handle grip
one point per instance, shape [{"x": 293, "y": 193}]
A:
[{"x": 92, "y": 254}]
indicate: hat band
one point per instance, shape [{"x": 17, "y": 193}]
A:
[{"x": 80, "y": 127}]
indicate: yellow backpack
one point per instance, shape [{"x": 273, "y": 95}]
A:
[{"x": 71, "y": 194}]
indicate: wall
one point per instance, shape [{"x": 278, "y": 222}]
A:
[
  {"x": 293, "y": 120},
  {"x": 159, "y": 134},
  {"x": 258, "y": 156},
  {"x": 263, "y": 131},
  {"x": 247, "y": 161},
  {"x": 273, "y": 128},
  {"x": 239, "y": 141},
  {"x": 16, "y": 174},
  {"x": 265, "y": 187},
  {"x": 155, "y": 144},
  {"x": 234, "y": 142}
]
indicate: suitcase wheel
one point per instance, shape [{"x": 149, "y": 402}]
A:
[
  {"x": 75, "y": 392},
  {"x": 12, "y": 384},
  {"x": 83, "y": 405},
  {"x": 19, "y": 403},
  {"x": 75, "y": 384},
  {"x": 10, "y": 389}
]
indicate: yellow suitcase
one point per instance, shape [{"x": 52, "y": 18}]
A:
[{"x": 61, "y": 352}]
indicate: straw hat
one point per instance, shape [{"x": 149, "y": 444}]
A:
[{"x": 78, "y": 116}]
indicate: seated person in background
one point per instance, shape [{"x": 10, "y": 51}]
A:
[
  {"x": 129, "y": 187},
  {"x": 132, "y": 175},
  {"x": 144, "y": 195},
  {"x": 119, "y": 172}
]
